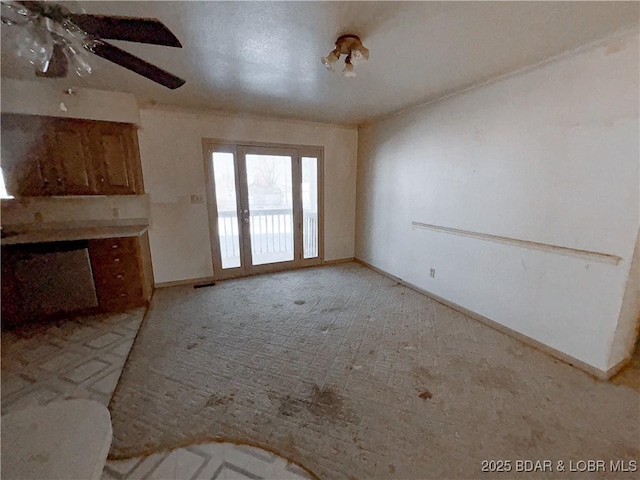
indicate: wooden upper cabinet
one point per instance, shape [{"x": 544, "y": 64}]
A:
[
  {"x": 67, "y": 165},
  {"x": 44, "y": 156},
  {"x": 116, "y": 158}
]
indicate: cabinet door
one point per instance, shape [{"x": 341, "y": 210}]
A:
[
  {"x": 23, "y": 151},
  {"x": 117, "y": 158},
  {"x": 68, "y": 167}
]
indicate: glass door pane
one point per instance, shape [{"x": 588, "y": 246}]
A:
[
  {"x": 270, "y": 197},
  {"x": 224, "y": 175},
  {"x": 310, "y": 207},
  {"x": 265, "y": 207}
]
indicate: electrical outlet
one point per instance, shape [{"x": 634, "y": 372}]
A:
[{"x": 432, "y": 273}]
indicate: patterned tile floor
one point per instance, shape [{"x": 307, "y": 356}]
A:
[
  {"x": 209, "y": 461},
  {"x": 72, "y": 358},
  {"x": 83, "y": 358}
]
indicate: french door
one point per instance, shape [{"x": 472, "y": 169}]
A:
[{"x": 265, "y": 207}]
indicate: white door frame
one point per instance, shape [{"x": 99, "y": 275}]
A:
[{"x": 239, "y": 150}]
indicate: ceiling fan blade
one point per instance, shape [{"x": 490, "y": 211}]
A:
[
  {"x": 58, "y": 66},
  {"x": 132, "y": 29},
  {"x": 135, "y": 64}
]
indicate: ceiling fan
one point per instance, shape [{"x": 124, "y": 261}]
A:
[{"x": 55, "y": 37}]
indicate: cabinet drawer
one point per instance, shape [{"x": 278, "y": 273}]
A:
[
  {"x": 116, "y": 300},
  {"x": 120, "y": 280},
  {"x": 116, "y": 262},
  {"x": 114, "y": 291},
  {"x": 105, "y": 246}
]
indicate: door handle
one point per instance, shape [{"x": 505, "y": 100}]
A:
[{"x": 245, "y": 211}]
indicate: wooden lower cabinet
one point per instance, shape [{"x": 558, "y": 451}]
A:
[
  {"x": 119, "y": 273},
  {"x": 120, "y": 267}
]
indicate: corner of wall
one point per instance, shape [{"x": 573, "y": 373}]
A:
[{"x": 626, "y": 332}]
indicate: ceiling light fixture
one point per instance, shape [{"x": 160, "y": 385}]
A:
[
  {"x": 351, "y": 46},
  {"x": 46, "y": 35}
]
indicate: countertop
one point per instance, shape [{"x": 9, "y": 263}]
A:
[
  {"x": 72, "y": 233},
  {"x": 67, "y": 218}
]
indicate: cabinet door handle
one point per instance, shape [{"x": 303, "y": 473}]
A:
[
  {"x": 119, "y": 276},
  {"x": 59, "y": 181},
  {"x": 115, "y": 246},
  {"x": 102, "y": 179},
  {"x": 116, "y": 260}
]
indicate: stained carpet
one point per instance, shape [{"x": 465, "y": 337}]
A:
[{"x": 355, "y": 376}]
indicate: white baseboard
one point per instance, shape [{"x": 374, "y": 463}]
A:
[
  {"x": 187, "y": 281},
  {"x": 590, "y": 369}
]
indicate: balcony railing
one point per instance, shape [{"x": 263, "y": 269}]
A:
[{"x": 271, "y": 235}]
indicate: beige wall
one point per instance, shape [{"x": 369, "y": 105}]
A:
[
  {"x": 172, "y": 163},
  {"x": 547, "y": 155}
]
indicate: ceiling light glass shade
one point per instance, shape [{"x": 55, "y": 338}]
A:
[
  {"x": 330, "y": 60},
  {"x": 35, "y": 45},
  {"x": 348, "y": 71},
  {"x": 70, "y": 32},
  {"x": 359, "y": 54},
  {"x": 78, "y": 60},
  {"x": 13, "y": 13}
]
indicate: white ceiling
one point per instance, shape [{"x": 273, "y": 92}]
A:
[{"x": 264, "y": 57}]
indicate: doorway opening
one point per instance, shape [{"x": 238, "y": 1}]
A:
[{"x": 265, "y": 207}]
